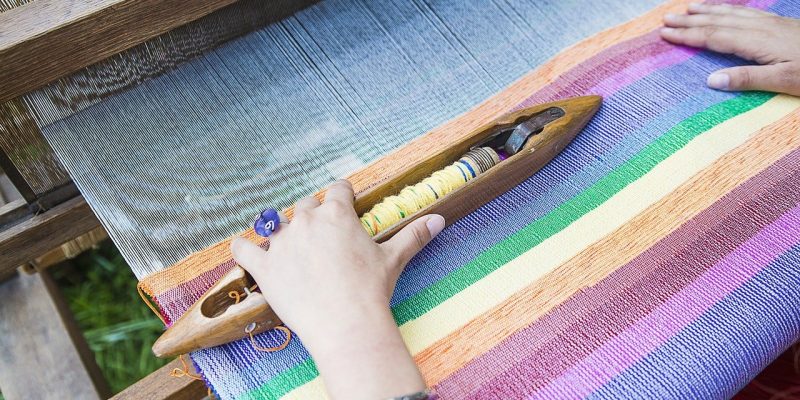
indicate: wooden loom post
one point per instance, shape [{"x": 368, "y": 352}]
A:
[{"x": 42, "y": 350}]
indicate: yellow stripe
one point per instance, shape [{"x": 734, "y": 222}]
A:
[
  {"x": 603, "y": 220},
  {"x": 595, "y": 225}
]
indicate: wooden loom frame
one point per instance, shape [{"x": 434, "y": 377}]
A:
[{"x": 41, "y": 42}]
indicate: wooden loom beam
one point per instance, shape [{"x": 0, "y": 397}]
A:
[
  {"x": 41, "y": 233},
  {"x": 45, "y": 40},
  {"x": 160, "y": 385}
]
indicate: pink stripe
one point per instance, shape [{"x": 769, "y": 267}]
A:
[
  {"x": 581, "y": 79},
  {"x": 585, "y": 78},
  {"x": 677, "y": 312},
  {"x": 762, "y": 4},
  {"x": 579, "y": 326},
  {"x": 176, "y": 301},
  {"x": 637, "y": 71}
]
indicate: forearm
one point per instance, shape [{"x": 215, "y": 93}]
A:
[{"x": 364, "y": 357}]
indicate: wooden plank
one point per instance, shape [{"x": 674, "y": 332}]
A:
[
  {"x": 70, "y": 249},
  {"x": 48, "y": 39},
  {"x": 25, "y": 155},
  {"x": 8, "y": 193},
  {"x": 41, "y": 233},
  {"x": 160, "y": 385},
  {"x": 11, "y": 213},
  {"x": 44, "y": 355}
]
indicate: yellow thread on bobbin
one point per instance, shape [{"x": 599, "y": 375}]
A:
[{"x": 416, "y": 197}]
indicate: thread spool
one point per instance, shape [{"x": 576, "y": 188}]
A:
[{"x": 416, "y": 197}]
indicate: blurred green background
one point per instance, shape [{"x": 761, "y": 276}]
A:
[{"x": 101, "y": 291}]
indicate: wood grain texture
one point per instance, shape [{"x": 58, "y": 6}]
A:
[
  {"x": 47, "y": 39},
  {"x": 70, "y": 249},
  {"x": 44, "y": 355},
  {"x": 24, "y": 153},
  {"x": 41, "y": 233},
  {"x": 12, "y": 212},
  {"x": 159, "y": 385}
]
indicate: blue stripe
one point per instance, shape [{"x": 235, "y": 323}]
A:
[
  {"x": 623, "y": 127},
  {"x": 719, "y": 353}
]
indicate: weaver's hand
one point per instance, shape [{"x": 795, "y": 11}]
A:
[
  {"x": 755, "y": 35},
  {"x": 331, "y": 283}
]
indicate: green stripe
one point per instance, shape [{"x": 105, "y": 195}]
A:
[
  {"x": 542, "y": 228},
  {"x": 574, "y": 208},
  {"x": 284, "y": 382}
]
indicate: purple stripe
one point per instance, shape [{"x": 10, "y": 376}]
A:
[
  {"x": 637, "y": 71},
  {"x": 677, "y": 312},
  {"x": 607, "y": 142},
  {"x": 727, "y": 346},
  {"x": 588, "y": 319},
  {"x": 581, "y": 79},
  {"x": 584, "y": 78},
  {"x": 624, "y": 125}
]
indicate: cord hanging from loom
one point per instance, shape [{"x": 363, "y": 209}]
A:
[
  {"x": 234, "y": 294},
  {"x": 181, "y": 372},
  {"x": 416, "y": 197}
]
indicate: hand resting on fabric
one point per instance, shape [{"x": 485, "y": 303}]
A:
[
  {"x": 331, "y": 283},
  {"x": 752, "y": 34}
]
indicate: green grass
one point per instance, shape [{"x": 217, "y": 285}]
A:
[{"x": 101, "y": 291}]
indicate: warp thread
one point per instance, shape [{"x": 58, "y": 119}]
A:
[{"x": 413, "y": 198}]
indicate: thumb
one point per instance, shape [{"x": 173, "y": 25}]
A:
[
  {"x": 771, "y": 78},
  {"x": 250, "y": 256},
  {"x": 416, "y": 235}
]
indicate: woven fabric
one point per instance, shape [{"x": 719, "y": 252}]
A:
[{"x": 657, "y": 257}]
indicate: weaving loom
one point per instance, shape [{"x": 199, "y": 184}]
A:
[{"x": 657, "y": 257}]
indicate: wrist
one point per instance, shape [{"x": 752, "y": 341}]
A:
[
  {"x": 364, "y": 356},
  {"x": 361, "y": 325}
]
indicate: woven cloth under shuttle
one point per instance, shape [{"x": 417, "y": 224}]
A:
[{"x": 657, "y": 257}]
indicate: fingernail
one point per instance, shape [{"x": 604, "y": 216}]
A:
[
  {"x": 719, "y": 81},
  {"x": 667, "y": 31},
  {"x": 670, "y": 17},
  {"x": 695, "y": 6},
  {"x": 435, "y": 224}
]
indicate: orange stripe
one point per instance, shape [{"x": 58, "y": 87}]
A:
[
  {"x": 387, "y": 166},
  {"x": 594, "y": 263}
]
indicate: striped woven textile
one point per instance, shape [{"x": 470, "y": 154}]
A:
[{"x": 657, "y": 257}]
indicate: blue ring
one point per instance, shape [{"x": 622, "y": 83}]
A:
[{"x": 469, "y": 167}]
